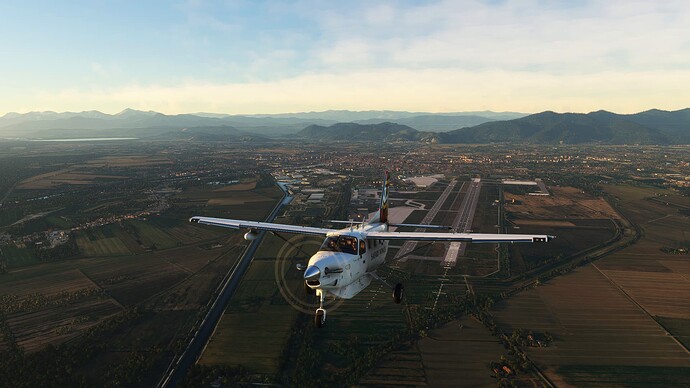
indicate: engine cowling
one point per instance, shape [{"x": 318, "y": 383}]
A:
[{"x": 251, "y": 235}]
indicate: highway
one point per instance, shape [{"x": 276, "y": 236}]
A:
[
  {"x": 180, "y": 365},
  {"x": 409, "y": 246},
  {"x": 463, "y": 222}
]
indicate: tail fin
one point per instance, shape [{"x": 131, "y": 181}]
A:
[{"x": 383, "y": 207}]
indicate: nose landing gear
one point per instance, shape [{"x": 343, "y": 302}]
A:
[{"x": 320, "y": 317}]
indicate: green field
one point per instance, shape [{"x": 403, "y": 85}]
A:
[
  {"x": 59, "y": 222},
  {"x": 254, "y": 329},
  {"x": 95, "y": 243},
  {"x": 152, "y": 236},
  {"x": 18, "y": 257},
  {"x": 10, "y": 215}
]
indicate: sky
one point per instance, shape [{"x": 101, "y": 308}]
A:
[{"x": 242, "y": 57}]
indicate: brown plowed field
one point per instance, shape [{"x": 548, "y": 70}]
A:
[
  {"x": 563, "y": 203},
  {"x": 593, "y": 323}
]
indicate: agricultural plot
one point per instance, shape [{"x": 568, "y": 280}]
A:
[
  {"x": 152, "y": 236},
  {"x": 93, "y": 243},
  {"x": 54, "y": 310},
  {"x": 18, "y": 257},
  {"x": 70, "y": 176},
  {"x": 127, "y": 161},
  {"x": 10, "y": 215},
  {"x": 214, "y": 197},
  {"x": 52, "y": 326},
  {"x": 401, "y": 368},
  {"x": 652, "y": 276},
  {"x": 563, "y": 203},
  {"x": 132, "y": 279},
  {"x": 256, "y": 325},
  {"x": 594, "y": 324},
  {"x": 578, "y": 220},
  {"x": 459, "y": 354},
  {"x": 57, "y": 279},
  {"x": 679, "y": 327}
]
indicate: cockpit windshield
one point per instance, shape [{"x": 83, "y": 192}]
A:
[{"x": 345, "y": 244}]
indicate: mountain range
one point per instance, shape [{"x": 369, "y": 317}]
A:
[{"x": 648, "y": 127}]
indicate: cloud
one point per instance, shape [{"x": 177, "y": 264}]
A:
[
  {"x": 513, "y": 35},
  {"x": 435, "y": 90},
  {"x": 529, "y": 56}
]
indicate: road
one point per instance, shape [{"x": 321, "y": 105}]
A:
[
  {"x": 463, "y": 222},
  {"x": 409, "y": 246},
  {"x": 180, "y": 365}
]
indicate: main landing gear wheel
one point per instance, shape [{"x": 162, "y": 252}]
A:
[{"x": 398, "y": 293}]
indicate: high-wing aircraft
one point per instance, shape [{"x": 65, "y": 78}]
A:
[{"x": 348, "y": 258}]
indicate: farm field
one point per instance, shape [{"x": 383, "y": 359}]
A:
[
  {"x": 457, "y": 354},
  {"x": 656, "y": 279},
  {"x": 563, "y": 203},
  {"x": 593, "y": 324},
  {"x": 578, "y": 220},
  {"x": 52, "y": 311},
  {"x": 605, "y": 317},
  {"x": 255, "y": 326},
  {"x": 161, "y": 264},
  {"x": 93, "y": 243},
  {"x": 68, "y": 176}
]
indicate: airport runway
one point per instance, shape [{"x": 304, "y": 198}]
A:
[
  {"x": 409, "y": 246},
  {"x": 180, "y": 366},
  {"x": 463, "y": 222}
]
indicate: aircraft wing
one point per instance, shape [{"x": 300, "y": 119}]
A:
[
  {"x": 466, "y": 237},
  {"x": 242, "y": 224}
]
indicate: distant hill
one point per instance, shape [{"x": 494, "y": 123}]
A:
[
  {"x": 385, "y": 115},
  {"x": 383, "y": 132},
  {"x": 649, "y": 127},
  {"x": 674, "y": 123},
  {"x": 434, "y": 123},
  {"x": 222, "y": 134},
  {"x": 44, "y": 124},
  {"x": 569, "y": 128}
]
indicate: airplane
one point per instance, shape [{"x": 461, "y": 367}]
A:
[{"x": 347, "y": 261}]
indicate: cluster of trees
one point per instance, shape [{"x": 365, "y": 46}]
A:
[
  {"x": 223, "y": 375},
  {"x": 11, "y": 303}
]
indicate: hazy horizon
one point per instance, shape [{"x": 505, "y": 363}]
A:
[
  {"x": 268, "y": 58},
  {"x": 113, "y": 113}
]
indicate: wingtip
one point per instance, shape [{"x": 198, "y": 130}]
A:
[{"x": 194, "y": 219}]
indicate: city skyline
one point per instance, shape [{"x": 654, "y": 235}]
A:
[{"x": 253, "y": 58}]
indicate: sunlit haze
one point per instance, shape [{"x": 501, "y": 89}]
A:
[{"x": 271, "y": 57}]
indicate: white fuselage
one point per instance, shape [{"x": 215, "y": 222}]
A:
[{"x": 345, "y": 268}]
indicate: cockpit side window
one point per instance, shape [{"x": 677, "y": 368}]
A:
[{"x": 362, "y": 247}]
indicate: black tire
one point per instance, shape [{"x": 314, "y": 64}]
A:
[
  {"x": 398, "y": 293},
  {"x": 308, "y": 290},
  {"x": 318, "y": 319}
]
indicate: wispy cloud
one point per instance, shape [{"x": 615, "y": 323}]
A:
[
  {"x": 428, "y": 90},
  {"x": 243, "y": 57}
]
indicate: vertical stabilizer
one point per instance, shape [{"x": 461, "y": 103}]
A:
[{"x": 383, "y": 207}]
